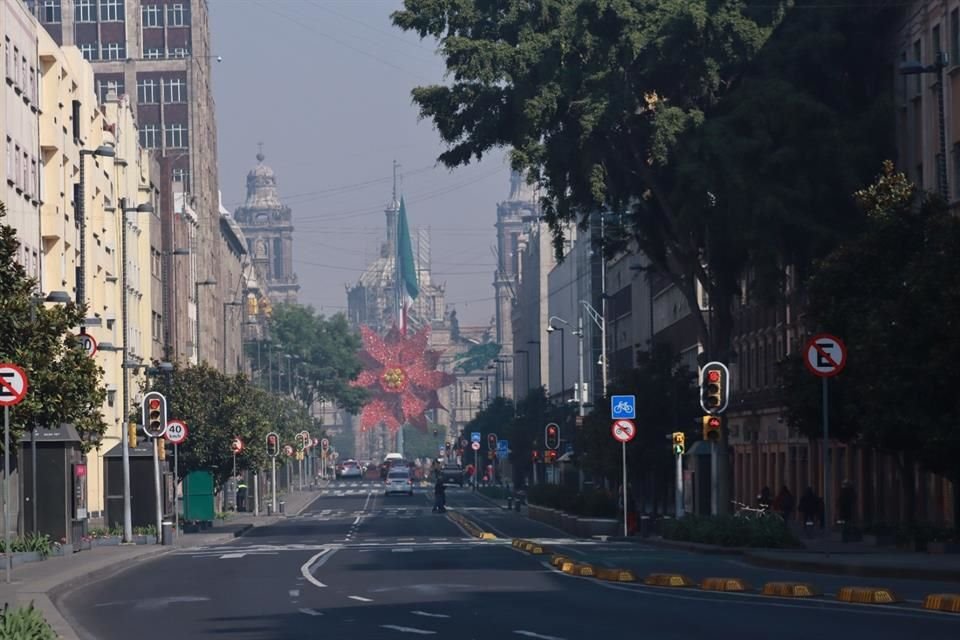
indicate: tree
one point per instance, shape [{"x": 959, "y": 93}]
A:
[
  {"x": 65, "y": 385},
  {"x": 325, "y": 351},
  {"x": 728, "y": 133},
  {"x": 526, "y": 430},
  {"x": 893, "y": 294},
  {"x": 493, "y": 418}
]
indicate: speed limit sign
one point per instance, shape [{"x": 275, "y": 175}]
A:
[{"x": 176, "y": 431}]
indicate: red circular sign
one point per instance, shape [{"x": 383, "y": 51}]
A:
[
  {"x": 623, "y": 430},
  {"x": 288, "y": 449},
  {"x": 825, "y": 355},
  {"x": 13, "y": 384},
  {"x": 237, "y": 445}
]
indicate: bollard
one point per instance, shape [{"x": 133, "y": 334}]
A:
[
  {"x": 509, "y": 503},
  {"x": 166, "y": 536},
  {"x": 269, "y": 509},
  {"x": 283, "y": 506}
]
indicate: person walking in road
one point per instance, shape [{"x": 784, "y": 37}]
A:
[{"x": 439, "y": 496}]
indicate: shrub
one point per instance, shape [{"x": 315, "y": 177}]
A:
[
  {"x": 728, "y": 531},
  {"x": 590, "y": 504},
  {"x": 35, "y": 542},
  {"x": 24, "y": 623}
]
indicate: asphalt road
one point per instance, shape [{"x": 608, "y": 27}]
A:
[{"x": 358, "y": 564}]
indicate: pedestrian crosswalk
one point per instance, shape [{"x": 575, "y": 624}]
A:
[{"x": 383, "y": 512}]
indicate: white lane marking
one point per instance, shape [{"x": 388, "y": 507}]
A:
[
  {"x": 357, "y": 521},
  {"x": 294, "y": 593},
  {"x": 429, "y": 615},
  {"x": 228, "y": 556},
  {"x": 360, "y": 599},
  {"x": 422, "y": 632},
  {"x": 311, "y": 612},
  {"x": 316, "y": 561},
  {"x": 404, "y": 550},
  {"x": 367, "y": 501},
  {"x": 531, "y": 634}
]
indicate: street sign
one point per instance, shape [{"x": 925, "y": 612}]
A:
[
  {"x": 475, "y": 446},
  {"x": 315, "y": 442},
  {"x": 491, "y": 441},
  {"x": 623, "y": 430},
  {"x": 13, "y": 384},
  {"x": 503, "y": 445},
  {"x": 826, "y": 355},
  {"x": 475, "y": 436},
  {"x": 288, "y": 450},
  {"x": 324, "y": 444},
  {"x": 176, "y": 431},
  {"x": 623, "y": 407},
  {"x": 88, "y": 343},
  {"x": 568, "y": 448},
  {"x": 236, "y": 446}
]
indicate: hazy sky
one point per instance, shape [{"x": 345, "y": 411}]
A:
[{"x": 325, "y": 85}]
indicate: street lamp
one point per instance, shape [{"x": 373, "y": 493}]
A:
[
  {"x": 601, "y": 322},
  {"x": 102, "y": 151},
  {"x": 225, "y": 305},
  {"x": 563, "y": 351},
  {"x": 196, "y": 300},
  {"x": 918, "y": 68}
]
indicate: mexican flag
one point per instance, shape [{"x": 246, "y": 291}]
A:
[{"x": 408, "y": 288}]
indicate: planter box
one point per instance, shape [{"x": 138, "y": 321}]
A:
[
  {"x": 139, "y": 539},
  {"x": 943, "y": 547},
  {"x": 598, "y": 527},
  {"x": 880, "y": 539},
  {"x": 568, "y": 523},
  {"x": 23, "y": 557},
  {"x": 106, "y": 542}
]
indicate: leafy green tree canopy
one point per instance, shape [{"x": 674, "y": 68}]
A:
[{"x": 65, "y": 385}]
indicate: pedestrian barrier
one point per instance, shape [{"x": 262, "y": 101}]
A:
[
  {"x": 724, "y": 584},
  {"x": 790, "y": 589},
  {"x": 867, "y": 595},
  {"x": 470, "y": 526},
  {"x": 578, "y": 569},
  {"x": 949, "y": 602},
  {"x": 668, "y": 580},
  {"x": 616, "y": 575}
]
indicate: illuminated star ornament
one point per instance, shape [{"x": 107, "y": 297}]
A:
[{"x": 401, "y": 375}]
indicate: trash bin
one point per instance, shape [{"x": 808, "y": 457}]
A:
[
  {"x": 166, "y": 533},
  {"x": 283, "y": 507}
]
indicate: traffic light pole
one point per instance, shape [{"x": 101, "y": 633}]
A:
[
  {"x": 714, "y": 480},
  {"x": 156, "y": 490},
  {"x": 273, "y": 481},
  {"x": 679, "y": 488}
]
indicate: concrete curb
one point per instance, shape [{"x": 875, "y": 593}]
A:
[{"x": 823, "y": 565}]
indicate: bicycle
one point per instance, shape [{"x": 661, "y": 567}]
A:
[{"x": 747, "y": 512}]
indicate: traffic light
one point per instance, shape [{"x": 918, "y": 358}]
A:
[
  {"x": 553, "y": 436},
  {"x": 679, "y": 443},
  {"x": 711, "y": 428},
  {"x": 161, "y": 449},
  {"x": 491, "y": 441},
  {"x": 301, "y": 443},
  {"x": 714, "y": 388},
  {"x": 550, "y": 457},
  {"x": 535, "y": 455},
  {"x": 273, "y": 445},
  {"x": 132, "y": 435},
  {"x": 154, "y": 414}
]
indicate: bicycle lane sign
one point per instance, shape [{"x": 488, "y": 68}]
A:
[{"x": 623, "y": 407}]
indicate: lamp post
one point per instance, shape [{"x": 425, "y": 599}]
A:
[
  {"x": 601, "y": 322},
  {"x": 225, "y": 305},
  {"x": 58, "y": 297},
  {"x": 196, "y": 300},
  {"x": 918, "y": 68},
  {"x": 563, "y": 352},
  {"x": 102, "y": 151},
  {"x": 124, "y": 350}
]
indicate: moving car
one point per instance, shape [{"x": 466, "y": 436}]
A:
[
  {"x": 350, "y": 469},
  {"x": 398, "y": 481},
  {"x": 451, "y": 474},
  {"x": 389, "y": 461}
]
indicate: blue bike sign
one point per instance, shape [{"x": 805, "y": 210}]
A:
[{"x": 623, "y": 407}]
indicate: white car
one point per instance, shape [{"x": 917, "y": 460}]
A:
[
  {"x": 351, "y": 469},
  {"x": 398, "y": 481}
]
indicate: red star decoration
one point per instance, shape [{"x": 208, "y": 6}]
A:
[{"x": 402, "y": 377}]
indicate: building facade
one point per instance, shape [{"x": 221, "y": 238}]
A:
[
  {"x": 267, "y": 225},
  {"x": 158, "y": 53},
  {"x": 234, "y": 307}
]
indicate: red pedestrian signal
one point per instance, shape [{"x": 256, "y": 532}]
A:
[
  {"x": 711, "y": 428},
  {"x": 552, "y": 436},
  {"x": 273, "y": 445}
]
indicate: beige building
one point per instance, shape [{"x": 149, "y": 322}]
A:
[{"x": 18, "y": 118}]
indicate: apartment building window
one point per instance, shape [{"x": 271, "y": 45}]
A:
[
  {"x": 149, "y": 136},
  {"x": 181, "y": 175},
  {"x": 114, "y": 51},
  {"x": 33, "y": 179},
  {"x": 175, "y": 91},
  {"x": 111, "y": 10},
  {"x": 9, "y": 164},
  {"x": 25, "y": 175},
  {"x": 85, "y": 11},
  {"x": 935, "y": 41},
  {"x": 176, "y": 136},
  {"x": 152, "y": 53},
  {"x": 147, "y": 91},
  {"x": 104, "y": 89},
  {"x": 7, "y": 59},
  {"x": 176, "y": 15},
  {"x": 955, "y": 37},
  {"x": 152, "y": 15},
  {"x": 179, "y": 52},
  {"x": 51, "y": 11},
  {"x": 89, "y": 51},
  {"x": 918, "y": 57},
  {"x": 16, "y": 66}
]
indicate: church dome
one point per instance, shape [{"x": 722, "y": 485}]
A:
[{"x": 262, "y": 187}]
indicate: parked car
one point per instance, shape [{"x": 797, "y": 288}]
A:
[
  {"x": 398, "y": 481},
  {"x": 452, "y": 474}
]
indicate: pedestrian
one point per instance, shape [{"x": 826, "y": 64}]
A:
[
  {"x": 241, "y": 495},
  {"x": 784, "y": 502},
  {"x": 809, "y": 507},
  {"x": 765, "y": 499},
  {"x": 846, "y": 502},
  {"x": 439, "y": 497}
]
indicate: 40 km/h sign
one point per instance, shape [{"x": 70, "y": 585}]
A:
[
  {"x": 825, "y": 356},
  {"x": 176, "y": 431},
  {"x": 623, "y": 430}
]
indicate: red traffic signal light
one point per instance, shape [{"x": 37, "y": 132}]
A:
[
  {"x": 714, "y": 388},
  {"x": 154, "y": 404},
  {"x": 273, "y": 444},
  {"x": 553, "y": 436},
  {"x": 711, "y": 428},
  {"x": 154, "y": 414}
]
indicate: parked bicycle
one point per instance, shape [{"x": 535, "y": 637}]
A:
[{"x": 747, "y": 512}]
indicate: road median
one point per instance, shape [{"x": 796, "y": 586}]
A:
[{"x": 469, "y": 526}]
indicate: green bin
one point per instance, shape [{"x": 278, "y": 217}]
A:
[{"x": 198, "y": 496}]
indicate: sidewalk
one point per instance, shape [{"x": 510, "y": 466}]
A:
[{"x": 41, "y": 582}]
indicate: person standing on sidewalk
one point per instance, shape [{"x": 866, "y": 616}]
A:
[{"x": 241, "y": 495}]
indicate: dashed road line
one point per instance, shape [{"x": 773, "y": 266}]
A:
[
  {"x": 539, "y": 636},
  {"x": 429, "y": 615},
  {"x": 360, "y": 599},
  {"x": 422, "y": 632},
  {"x": 311, "y": 612}
]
